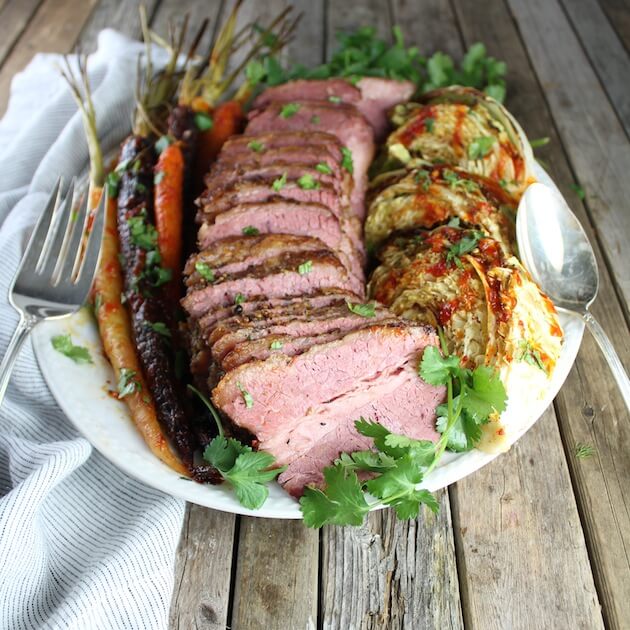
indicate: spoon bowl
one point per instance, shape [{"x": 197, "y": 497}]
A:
[{"x": 555, "y": 249}]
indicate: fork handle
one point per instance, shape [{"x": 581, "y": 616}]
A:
[
  {"x": 614, "y": 362},
  {"x": 24, "y": 327}
]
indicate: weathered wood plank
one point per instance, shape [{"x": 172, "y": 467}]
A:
[
  {"x": 391, "y": 574},
  {"x": 592, "y": 135},
  {"x": 605, "y": 51},
  {"x": 388, "y": 574},
  {"x": 121, "y": 15},
  {"x": 520, "y": 547},
  {"x": 13, "y": 20},
  {"x": 54, "y": 28},
  {"x": 203, "y": 567},
  {"x": 276, "y": 576},
  {"x": 618, "y": 12},
  {"x": 589, "y": 408}
]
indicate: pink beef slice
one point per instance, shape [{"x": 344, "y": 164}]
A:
[
  {"x": 280, "y": 279},
  {"x": 289, "y": 217},
  {"x": 378, "y": 96},
  {"x": 309, "y": 89},
  {"x": 342, "y": 120},
  {"x": 298, "y": 401}
]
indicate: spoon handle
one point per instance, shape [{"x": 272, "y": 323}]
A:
[{"x": 611, "y": 355}]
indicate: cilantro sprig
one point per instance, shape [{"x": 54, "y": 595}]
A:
[
  {"x": 247, "y": 471},
  {"x": 64, "y": 345},
  {"x": 399, "y": 464}
]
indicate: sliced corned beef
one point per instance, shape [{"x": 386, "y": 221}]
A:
[
  {"x": 279, "y": 280},
  {"x": 332, "y": 90}
]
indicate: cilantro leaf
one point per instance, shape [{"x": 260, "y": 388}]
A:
[
  {"x": 464, "y": 246},
  {"x": 372, "y": 461},
  {"x": 365, "y": 310},
  {"x": 305, "y": 267},
  {"x": 127, "y": 383},
  {"x": 290, "y": 109},
  {"x": 256, "y": 146},
  {"x": 222, "y": 452},
  {"x": 64, "y": 345},
  {"x": 347, "y": 161},
  {"x": 308, "y": 182},
  {"x": 204, "y": 270},
  {"x": 249, "y": 476},
  {"x": 250, "y": 230},
  {"x": 203, "y": 122},
  {"x": 159, "y": 327},
  {"x": 341, "y": 503},
  {"x": 322, "y": 167},
  {"x": 279, "y": 183},
  {"x": 247, "y": 397},
  {"x": 436, "y": 369},
  {"x": 486, "y": 395},
  {"x": 480, "y": 147}
]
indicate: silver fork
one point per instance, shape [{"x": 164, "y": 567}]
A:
[{"x": 54, "y": 278}]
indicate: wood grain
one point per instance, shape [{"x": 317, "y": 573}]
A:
[
  {"x": 605, "y": 51},
  {"x": 54, "y": 28},
  {"x": 391, "y": 574},
  {"x": 276, "y": 576},
  {"x": 14, "y": 17},
  {"x": 618, "y": 12},
  {"x": 523, "y": 561},
  {"x": 589, "y": 408},
  {"x": 592, "y": 135},
  {"x": 203, "y": 567}
]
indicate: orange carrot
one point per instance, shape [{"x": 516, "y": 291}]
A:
[
  {"x": 115, "y": 330},
  {"x": 169, "y": 202},
  {"x": 228, "y": 119}
]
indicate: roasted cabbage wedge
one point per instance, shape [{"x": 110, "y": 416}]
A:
[
  {"x": 490, "y": 310},
  {"x": 462, "y": 127},
  {"x": 427, "y": 196}
]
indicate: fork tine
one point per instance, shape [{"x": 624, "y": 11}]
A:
[
  {"x": 40, "y": 232},
  {"x": 72, "y": 250},
  {"x": 92, "y": 255},
  {"x": 58, "y": 233}
]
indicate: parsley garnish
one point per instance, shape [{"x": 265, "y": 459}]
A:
[
  {"x": 276, "y": 345},
  {"x": 579, "y": 191},
  {"x": 250, "y": 230},
  {"x": 204, "y": 270},
  {"x": 256, "y": 146},
  {"x": 429, "y": 124},
  {"x": 290, "y": 109},
  {"x": 247, "y": 397},
  {"x": 480, "y": 147},
  {"x": 308, "y": 182},
  {"x": 455, "y": 181},
  {"x": 334, "y": 99},
  {"x": 239, "y": 298},
  {"x": 112, "y": 183},
  {"x": 279, "y": 183},
  {"x": 64, "y": 345},
  {"x": 203, "y": 122},
  {"x": 423, "y": 178},
  {"x": 315, "y": 120},
  {"x": 465, "y": 245},
  {"x": 159, "y": 327},
  {"x": 347, "y": 161},
  {"x": 530, "y": 355},
  {"x": 127, "y": 383},
  {"x": 143, "y": 234},
  {"x": 247, "y": 471},
  {"x": 365, "y": 310},
  {"x": 322, "y": 167},
  {"x": 305, "y": 267}
]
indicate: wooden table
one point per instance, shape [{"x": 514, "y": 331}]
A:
[{"x": 538, "y": 539}]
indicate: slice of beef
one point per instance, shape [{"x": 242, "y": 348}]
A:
[
  {"x": 344, "y": 121},
  {"x": 285, "y": 217},
  {"x": 401, "y": 401},
  {"x": 378, "y": 96},
  {"x": 287, "y": 390},
  {"x": 222, "y": 339},
  {"x": 252, "y": 307},
  {"x": 237, "y": 253},
  {"x": 311, "y": 154},
  {"x": 220, "y": 179},
  {"x": 218, "y": 199},
  {"x": 273, "y": 280},
  {"x": 330, "y": 90}
]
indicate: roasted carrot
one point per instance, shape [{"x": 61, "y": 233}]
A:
[
  {"x": 228, "y": 119},
  {"x": 168, "y": 208}
]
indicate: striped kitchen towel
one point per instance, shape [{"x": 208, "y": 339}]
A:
[{"x": 81, "y": 544}]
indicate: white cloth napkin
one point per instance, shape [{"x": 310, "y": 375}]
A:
[{"x": 81, "y": 544}]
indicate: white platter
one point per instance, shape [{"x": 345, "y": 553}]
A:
[{"x": 82, "y": 393}]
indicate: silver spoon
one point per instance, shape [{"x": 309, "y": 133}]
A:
[{"x": 556, "y": 251}]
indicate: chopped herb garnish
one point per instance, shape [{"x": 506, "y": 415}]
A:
[
  {"x": 455, "y": 181},
  {"x": 530, "y": 355},
  {"x": 239, "y": 298},
  {"x": 136, "y": 166},
  {"x": 315, "y": 120},
  {"x": 347, "y": 161},
  {"x": 256, "y": 146},
  {"x": 122, "y": 166},
  {"x": 203, "y": 121},
  {"x": 480, "y": 147},
  {"x": 334, "y": 99},
  {"x": 141, "y": 188},
  {"x": 276, "y": 345},
  {"x": 584, "y": 451},
  {"x": 127, "y": 383},
  {"x": 579, "y": 191},
  {"x": 64, "y": 345},
  {"x": 204, "y": 270},
  {"x": 279, "y": 183},
  {"x": 539, "y": 142},
  {"x": 423, "y": 178},
  {"x": 250, "y": 230},
  {"x": 308, "y": 182},
  {"x": 365, "y": 310},
  {"x": 159, "y": 327},
  {"x": 429, "y": 124},
  {"x": 143, "y": 234},
  {"x": 322, "y": 167},
  {"x": 247, "y": 397},
  {"x": 112, "y": 183},
  {"x": 158, "y": 177},
  {"x": 290, "y": 109},
  {"x": 162, "y": 143},
  {"x": 465, "y": 245},
  {"x": 305, "y": 267}
]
